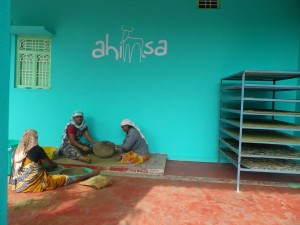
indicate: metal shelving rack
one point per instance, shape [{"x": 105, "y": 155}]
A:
[{"x": 257, "y": 133}]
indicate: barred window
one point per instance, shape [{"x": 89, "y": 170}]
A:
[
  {"x": 208, "y": 4},
  {"x": 33, "y": 62}
]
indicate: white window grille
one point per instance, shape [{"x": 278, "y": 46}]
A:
[
  {"x": 33, "y": 62},
  {"x": 208, "y": 4}
]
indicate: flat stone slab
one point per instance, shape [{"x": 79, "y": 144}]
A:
[{"x": 155, "y": 165}]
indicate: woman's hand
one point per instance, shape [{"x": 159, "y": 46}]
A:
[
  {"x": 112, "y": 144},
  {"x": 85, "y": 148},
  {"x": 48, "y": 163},
  {"x": 54, "y": 164}
]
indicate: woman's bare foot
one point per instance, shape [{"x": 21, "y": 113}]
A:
[{"x": 87, "y": 159}]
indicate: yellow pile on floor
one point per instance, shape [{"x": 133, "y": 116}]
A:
[{"x": 97, "y": 182}]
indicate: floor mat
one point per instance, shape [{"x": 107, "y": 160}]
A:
[{"x": 154, "y": 166}]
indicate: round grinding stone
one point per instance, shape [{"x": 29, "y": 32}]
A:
[{"x": 103, "y": 150}]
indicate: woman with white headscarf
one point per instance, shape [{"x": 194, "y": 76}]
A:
[
  {"x": 71, "y": 146},
  {"x": 28, "y": 173},
  {"x": 135, "y": 147}
]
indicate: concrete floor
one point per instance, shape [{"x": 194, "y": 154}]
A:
[{"x": 187, "y": 193}]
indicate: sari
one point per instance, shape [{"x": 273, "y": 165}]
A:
[
  {"x": 134, "y": 158},
  {"x": 134, "y": 140},
  {"x": 29, "y": 176},
  {"x": 67, "y": 149},
  {"x": 32, "y": 177}
]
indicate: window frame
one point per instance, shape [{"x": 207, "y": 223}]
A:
[{"x": 35, "y": 74}]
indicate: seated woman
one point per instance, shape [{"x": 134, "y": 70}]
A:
[
  {"x": 28, "y": 174},
  {"x": 71, "y": 146},
  {"x": 135, "y": 147}
]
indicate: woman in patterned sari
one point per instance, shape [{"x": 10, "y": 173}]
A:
[
  {"x": 135, "y": 147},
  {"x": 71, "y": 146},
  {"x": 28, "y": 174}
]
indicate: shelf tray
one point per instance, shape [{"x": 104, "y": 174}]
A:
[
  {"x": 264, "y": 124},
  {"x": 262, "y": 112},
  {"x": 263, "y": 150},
  {"x": 265, "y": 164},
  {"x": 271, "y": 112},
  {"x": 264, "y": 136},
  {"x": 230, "y": 99},
  {"x": 264, "y": 75},
  {"x": 260, "y": 87}
]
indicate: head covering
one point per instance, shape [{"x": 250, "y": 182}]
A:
[
  {"x": 129, "y": 122},
  {"x": 28, "y": 141},
  {"x": 77, "y": 113},
  {"x": 81, "y": 127}
]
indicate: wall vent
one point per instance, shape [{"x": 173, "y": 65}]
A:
[{"x": 208, "y": 4}]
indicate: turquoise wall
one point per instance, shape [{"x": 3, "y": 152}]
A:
[
  {"x": 298, "y": 94},
  {"x": 4, "y": 95},
  {"x": 173, "y": 95}
]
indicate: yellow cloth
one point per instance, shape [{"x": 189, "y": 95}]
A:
[
  {"x": 133, "y": 158},
  {"x": 32, "y": 177}
]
